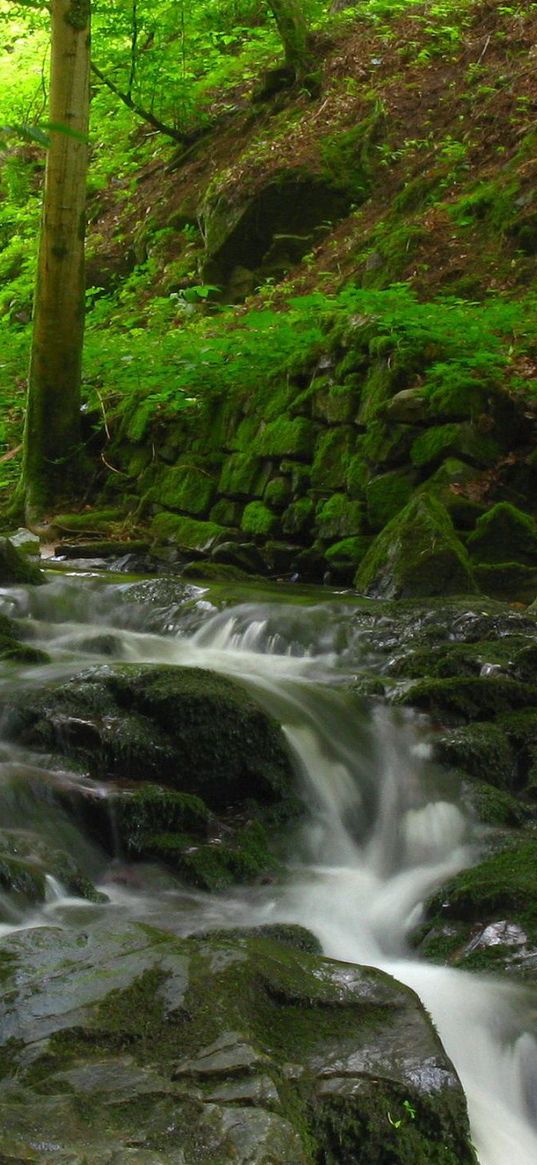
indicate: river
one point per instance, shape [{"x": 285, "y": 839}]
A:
[{"x": 379, "y": 834}]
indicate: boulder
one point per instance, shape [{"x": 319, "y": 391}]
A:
[
  {"x": 417, "y": 554},
  {"x": 15, "y": 567},
  {"x": 127, "y": 1044}
]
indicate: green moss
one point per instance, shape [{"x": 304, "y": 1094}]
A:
[
  {"x": 348, "y": 552},
  {"x": 468, "y": 699},
  {"x": 347, "y": 156},
  {"x": 21, "y": 652},
  {"x": 187, "y": 488},
  {"x": 511, "y": 581},
  {"x": 297, "y": 520},
  {"x": 378, "y": 387},
  {"x": 497, "y": 808},
  {"x": 187, "y": 533},
  {"x": 258, "y": 520},
  {"x": 91, "y": 521},
  {"x": 356, "y": 476},
  {"x": 278, "y": 493},
  {"x": 385, "y": 444},
  {"x": 337, "y": 404},
  {"x": 417, "y": 553},
  {"x": 333, "y": 451},
  {"x": 464, "y": 441},
  {"x": 287, "y": 437},
  {"x": 502, "y": 886},
  {"x": 504, "y": 534},
  {"x": 338, "y": 517},
  {"x": 386, "y": 495},
  {"x": 16, "y": 569},
  {"x": 214, "y": 866},
  {"x": 153, "y": 810},
  {"x": 226, "y": 513},
  {"x": 21, "y": 878},
  {"x": 244, "y": 476},
  {"x": 491, "y": 203},
  {"x": 482, "y": 750},
  {"x": 451, "y": 483}
]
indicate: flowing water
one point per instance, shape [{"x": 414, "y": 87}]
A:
[{"x": 379, "y": 833}]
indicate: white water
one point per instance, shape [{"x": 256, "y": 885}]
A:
[{"x": 378, "y": 839}]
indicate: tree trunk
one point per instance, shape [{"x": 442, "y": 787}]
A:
[
  {"x": 293, "y": 29},
  {"x": 52, "y": 450}
]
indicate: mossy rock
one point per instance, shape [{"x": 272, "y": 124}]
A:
[
  {"x": 503, "y": 885},
  {"x": 417, "y": 554},
  {"x": 187, "y": 533},
  {"x": 91, "y": 521},
  {"x": 338, "y": 517},
  {"x": 378, "y": 388},
  {"x": 463, "y": 441},
  {"x": 15, "y": 567},
  {"x": 287, "y": 437},
  {"x": 298, "y": 518},
  {"x": 454, "y": 483},
  {"x": 467, "y": 698},
  {"x": 504, "y": 534},
  {"x": 385, "y": 445},
  {"x": 226, "y": 513},
  {"x": 347, "y": 552},
  {"x": 481, "y": 750},
  {"x": 511, "y": 581},
  {"x": 244, "y": 476},
  {"x": 187, "y": 729},
  {"x": 333, "y": 451},
  {"x": 299, "y": 477},
  {"x": 387, "y": 494},
  {"x": 228, "y": 1048},
  {"x": 186, "y": 488},
  {"x": 278, "y": 493},
  {"x": 337, "y": 404},
  {"x": 259, "y": 520}
]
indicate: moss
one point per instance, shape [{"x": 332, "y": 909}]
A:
[
  {"x": 468, "y": 699},
  {"x": 90, "y": 521},
  {"x": 287, "y": 437},
  {"x": 495, "y": 807},
  {"x": 186, "y": 488},
  {"x": 278, "y": 493},
  {"x": 417, "y": 553},
  {"x": 482, "y": 750},
  {"x": 511, "y": 581},
  {"x": 21, "y": 878},
  {"x": 347, "y": 156},
  {"x": 333, "y": 451},
  {"x": 299, "y": 477},
  {"x": 504, "y": 885},
  {"x": 386, "y": 494},
  {"x": 244, "y": 476},
  {"x": 464, "y": 441},
  {"x": 297, "y": 519},
  {"x": 348, "y": 552},
  {"x": 389, "y": 1123},
  {"x": 338, "y": 517},
  {"x": 226, "y": 513},
  {"x": 258, "y": 520},
  {"x": 385, "y": 444},
  {"x": 187, "y": 533},
  {"x": 153, "y": 810},
  {"x": 378, "y": 387},
  {"x": 452, "y": 483},
  {"x": 16, "y": 569},
  {"x": 215, "y": 865},
  {"x": 215, "y": 572},
  {"x": 356, "y": 476},
  {"x": 21, "y": 652},
  {"x": 504, "y": 534},
  {"x": 337, "y": 404}
]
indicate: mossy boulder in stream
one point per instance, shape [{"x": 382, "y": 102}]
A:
[
  {"x": 187, "y": 728},
  {"x": 128, "y": 1044},
  {"x": 417, "y": 554}
]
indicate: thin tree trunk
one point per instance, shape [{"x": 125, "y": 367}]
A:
[
  {"x": 293, "y": 29},
  {"x": 51, "y": 465}
]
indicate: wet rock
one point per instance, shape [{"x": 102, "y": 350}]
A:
[
  {"x": 235, "y": 1050},
  {"x": 15, "y": 567},
  {"x": 187, "y": 728}
]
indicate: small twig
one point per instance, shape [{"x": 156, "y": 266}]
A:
[
  {"x": 112, "y": 467},
  {"x": 12, "y": 453},
  {"x": 484, "y": 49}
]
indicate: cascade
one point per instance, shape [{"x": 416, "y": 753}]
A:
[{"x": 378, "y": 837}]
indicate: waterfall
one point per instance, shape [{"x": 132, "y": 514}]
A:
[{"x": 379, "y": 835}]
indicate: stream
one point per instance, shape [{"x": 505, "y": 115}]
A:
[{"x": 381, "y": 830}]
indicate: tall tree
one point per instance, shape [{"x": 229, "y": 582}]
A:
[{"x": 52, "y": 444}]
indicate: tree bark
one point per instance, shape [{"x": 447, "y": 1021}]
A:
[
  {"x": 293, "y": 29},
  {"x": 52, "y": 442}
]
